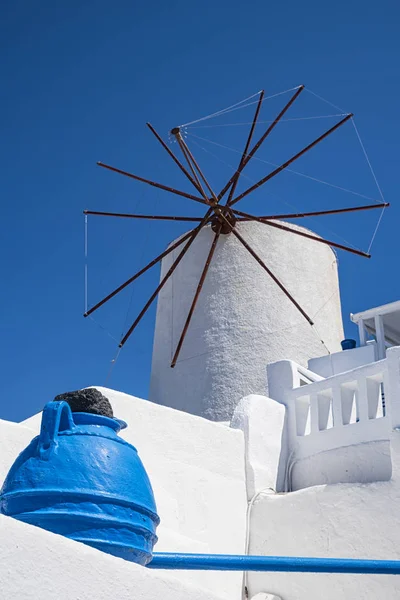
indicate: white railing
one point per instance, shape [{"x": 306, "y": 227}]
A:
[
  {"x": 359, "y": 406},
  {"x": 302, "y": 376},
  {"x": 344, "y": 409}
]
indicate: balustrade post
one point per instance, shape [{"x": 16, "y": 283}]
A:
[
  {"x": 362, "y": 399},
  {"x": 380, "y": 337},
  {"x": 337, "y": 406},
  {"x": 314, "y": 413},
  {"x": 392, "y": 389}
]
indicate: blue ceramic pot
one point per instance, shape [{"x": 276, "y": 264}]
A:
[
  {"x": 348, "y": 344},
  {"x": 79, "y": 479}
]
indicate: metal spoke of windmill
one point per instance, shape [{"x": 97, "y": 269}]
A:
[
  {"x": 222, "y": 218},
  {"x": 247, "y": 157}
]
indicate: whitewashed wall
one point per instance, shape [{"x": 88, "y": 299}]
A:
[
  {"x": 337, "y": 429},
  {"x": 13, "y": 439},
  {"x": 339, "y": 362},
  {"x": 243, "y": 320},
  {"x": 37, "y": 564},
  {"x": 262, "y": 421},
  {"x": 336, "y": 521}
]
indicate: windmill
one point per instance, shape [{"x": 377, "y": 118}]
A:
[{"x": 222, "y": 215}]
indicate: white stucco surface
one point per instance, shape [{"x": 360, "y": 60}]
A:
[
  {"x": 263, "y": 596},
  {"x": 357, "y": 463},
  {"x": 262, "y": 422},
  {"x": 13, "y": 439},
  {"x": 342, "y": 521},
  {"x": 242, "y": 320},
  {"x": 197, "y": 471},
  {"x": 37, "y": 564},
  {"x": 338, "y": 429},
  {"x": 339, "y": 362}
]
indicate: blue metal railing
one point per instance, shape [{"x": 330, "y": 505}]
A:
[{"x": 295, "y": 564}]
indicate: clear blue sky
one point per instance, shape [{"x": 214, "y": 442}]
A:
[{"x": 79, "y": 81}]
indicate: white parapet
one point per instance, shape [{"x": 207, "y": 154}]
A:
[
  {"x": 335, "y": 521},
  {"x": 262, "y": 422},
  {"x": 338, "y": 429},
  {"x": 243, "y": 320},
  {"x": 35, "y": 563},
  {"x": 339, "y": 362}
]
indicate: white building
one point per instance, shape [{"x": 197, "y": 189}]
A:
[{"x": 306, "y": 465}]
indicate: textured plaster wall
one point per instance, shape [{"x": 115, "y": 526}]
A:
[
  {"x": 242, "y": 320},
  {"x": 262, "y": 421},
  {"x": 361, "y": 463},
  {"x": 343, "y": 520},
  {"x": 198, "y": 475},
  {"x": 340, "y": 362},
  {"x": 13, "y": 439},
  {"x": 37, "y": 564},
  {"x": 359, "y": 452}
]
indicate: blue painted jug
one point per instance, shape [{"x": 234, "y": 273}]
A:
[{"x": 79, "y": 479}]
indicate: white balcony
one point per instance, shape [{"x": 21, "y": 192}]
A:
[
  {"x": 382, "y": 323},
  {"x": 338, "y": 429}
]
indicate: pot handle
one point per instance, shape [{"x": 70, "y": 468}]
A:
[{"x": 56, "y": 417}]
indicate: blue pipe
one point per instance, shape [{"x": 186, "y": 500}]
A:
[{"x": 295, "y": 564}]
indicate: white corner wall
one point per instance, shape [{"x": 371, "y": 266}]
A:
[
  {"x": 37, "y": 564},
  {"x": 262, "y": 422},
  {"x": 197, "y": 471},
  {"x": 13, "y": 439},
  {"x": 338, "y": 429},
  {"x": 357, "y": 463},
  {"x": 340, "y": 362},
  {"x": 336, "y": 521},
  {"x": 242, "y": 320}
]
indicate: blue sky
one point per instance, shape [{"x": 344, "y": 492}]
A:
[{"x": 80, "y": 80}]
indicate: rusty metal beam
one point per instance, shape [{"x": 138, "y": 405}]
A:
[
  {"x": 164, "y": 280},
  {"x": 317, "y": 213},
  {"x": 192, "y": 158},
  {"x": 132, "y": 216},
  {"x": 273, "y": 124},
  {"x": 270, "y": 273},
  {"x": 172, "y": 155},
  {"x": 264, "y": 137},
  {"x": 179, "y": 139},
  {"x": 138, "y": 274},
  {"x": 291, "y": 160},
  {"x": 196, "y": 297},
  {"x": 153, "y": 183},
  {"x": 306, "y": 235},
  {"x": 235, "y": 178}
]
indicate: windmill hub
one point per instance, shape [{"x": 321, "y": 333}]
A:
[{"x": 218, "y": 223}]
